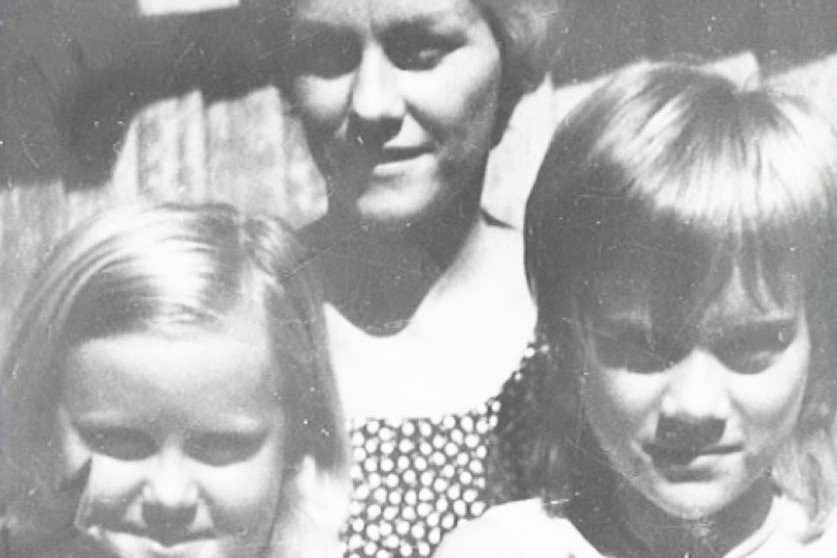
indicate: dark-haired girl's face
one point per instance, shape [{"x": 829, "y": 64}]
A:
[
  {"x": 399, "y": 99},
  {"x": 692, "y": 413}
]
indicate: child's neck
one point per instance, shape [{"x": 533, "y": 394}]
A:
[{"x": 670, "y": 537}]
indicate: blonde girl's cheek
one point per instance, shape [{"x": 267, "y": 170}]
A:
[
  {"x": 243, "y": 493},
  {"x": 113, "y": 490}
]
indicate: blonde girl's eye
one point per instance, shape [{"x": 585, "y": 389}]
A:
[
  {"x": 122, "y": 443},
  {"x": 224, "y": 448}
]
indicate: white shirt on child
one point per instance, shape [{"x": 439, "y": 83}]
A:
[{"x": 524, "y": 530}]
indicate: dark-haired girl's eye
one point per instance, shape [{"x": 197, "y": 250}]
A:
[
  {"x": 633, "y": 349},
  {"x": 754, "y": 348},
  {"x": 125, "y": 444}
]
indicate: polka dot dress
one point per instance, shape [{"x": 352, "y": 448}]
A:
[{"x": 415, "y": 479}]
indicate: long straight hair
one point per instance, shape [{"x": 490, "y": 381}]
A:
[
  {"x": 704, "y": 180},
  {"x": 162, "y": 270}
]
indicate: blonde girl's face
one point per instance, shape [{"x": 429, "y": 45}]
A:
[
  {"x": 185, "y": 437},
  {"x": 693, "y": 416}
]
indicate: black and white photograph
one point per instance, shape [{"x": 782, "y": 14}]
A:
[{"x": 418, "y": 279}]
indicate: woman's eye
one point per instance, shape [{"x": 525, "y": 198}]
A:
[
  {"x": 223, "y": 448},
  {"x": 754, "y": 349},
  {"x": 419, "y": 52},
  {"x": 125, "y": 444},
  {"x": 324, "y": 56},
  {"x": 421, "y": 59}
]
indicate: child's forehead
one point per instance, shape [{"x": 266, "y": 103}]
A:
[
  {"x": 637, "y": 291},
  {"x": 245, "y": 317},
  {"x": 185, "y": 351}
]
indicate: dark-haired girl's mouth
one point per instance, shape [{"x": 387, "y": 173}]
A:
[{"x": 683, "y": 456}]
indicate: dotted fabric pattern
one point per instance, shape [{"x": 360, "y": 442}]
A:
[{"x": 415, "y": 479}]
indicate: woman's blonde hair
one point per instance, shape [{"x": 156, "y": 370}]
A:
[{"x": 524, "y": 31}]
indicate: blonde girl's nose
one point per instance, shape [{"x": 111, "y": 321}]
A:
[{"x": 170, "y": 495}]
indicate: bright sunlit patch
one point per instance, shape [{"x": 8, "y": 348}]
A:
[{"x": 163, "y": 7}]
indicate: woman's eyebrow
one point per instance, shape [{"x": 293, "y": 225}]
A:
[
  {"x": 412, "y": 29},
  {"x": 309, "y": 30},
  {"x": 423, "y": 23}
]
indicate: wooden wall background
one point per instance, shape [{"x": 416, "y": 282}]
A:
[{"x": 102, "y": 106}]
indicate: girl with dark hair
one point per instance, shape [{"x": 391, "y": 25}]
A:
[{"x": 680, "y": 244}]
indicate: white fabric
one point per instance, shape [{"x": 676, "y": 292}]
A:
[{"x": 523, "y": 529}]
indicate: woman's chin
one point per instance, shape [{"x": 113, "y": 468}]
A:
[
  {"x": 389, "y": 213},
  {"x": 394, "y": 203}
]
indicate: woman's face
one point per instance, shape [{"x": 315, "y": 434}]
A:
[
  {"x": 399, "y": 99},
  {"x": 185, "y": 437},
  {"x": 692, "y": 416}
]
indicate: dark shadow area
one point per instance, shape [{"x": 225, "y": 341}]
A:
[
  {"x": 70, "y": 94},
  {"x": 74, "y": 132},
  {"x": 606, "y": 34},
  {"x": 214, "y": 53}
]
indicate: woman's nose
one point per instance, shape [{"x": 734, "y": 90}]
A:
[
  {"x": 377, "y": 105},
  {"x": 171, "y": 493},
  {"x": 696, "y": 391}
]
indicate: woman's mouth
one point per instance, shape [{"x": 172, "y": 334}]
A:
[
  {"x": 392, "y": 157},
  {"x": 372, "y": 160}
]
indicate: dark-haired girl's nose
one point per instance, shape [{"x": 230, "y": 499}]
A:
[
  {"x": 696, "y": 389},
  {"x": 695, "y": 405}
]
